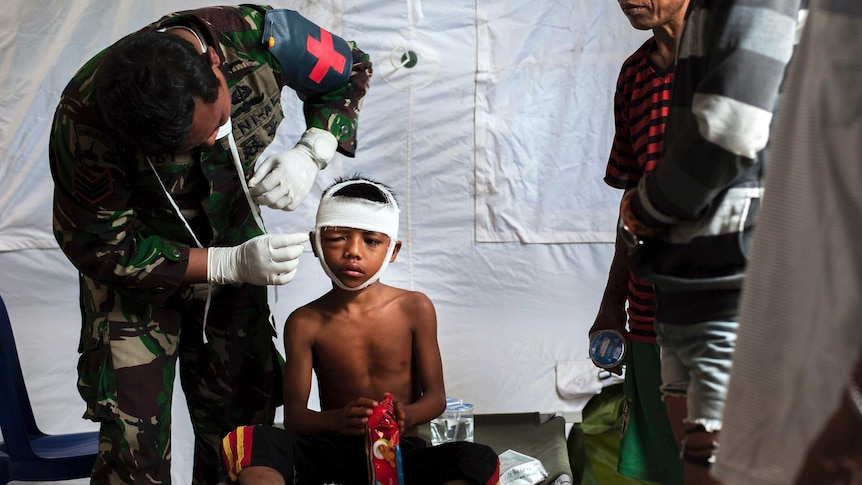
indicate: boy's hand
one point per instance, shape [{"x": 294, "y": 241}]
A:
[
  {"x": 355, "y": 416},
  {"x": 400, "y": 416}
]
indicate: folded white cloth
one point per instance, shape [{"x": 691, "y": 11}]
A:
[{"x": 580, "y": 380}]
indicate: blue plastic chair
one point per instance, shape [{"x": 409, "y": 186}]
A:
[{"x": 27, "y": 454}]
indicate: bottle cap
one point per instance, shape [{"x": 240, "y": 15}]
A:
[{"x": 607, "y": 348}]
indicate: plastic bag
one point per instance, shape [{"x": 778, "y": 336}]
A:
[
  {"x": 383, "y": 445},
  {"x": 519, "y": 469}
]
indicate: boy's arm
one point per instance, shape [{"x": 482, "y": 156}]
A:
[
  {"x": 298, "y": 419},
  {"x": 429, "y": 365}
]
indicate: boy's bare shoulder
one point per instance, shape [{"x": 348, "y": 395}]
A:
[
  {"x": 311, "y": 311},
  {"x": 410, "y": 299}
]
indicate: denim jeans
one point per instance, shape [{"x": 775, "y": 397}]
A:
[{"x": 695, "y": 362}]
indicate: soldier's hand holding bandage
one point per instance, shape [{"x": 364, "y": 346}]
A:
[
  {"x": 269, "y": 259},
  {"x": 283, "y": 180}
]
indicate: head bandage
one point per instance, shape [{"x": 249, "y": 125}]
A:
[{"x": 357, "y": 213}]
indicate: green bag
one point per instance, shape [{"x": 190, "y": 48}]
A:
[{"x": 594, "y": 443}]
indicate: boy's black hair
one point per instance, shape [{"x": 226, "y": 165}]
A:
[
  {"x": 363, "y": 191},
  {"x": 146, "y": 85}
]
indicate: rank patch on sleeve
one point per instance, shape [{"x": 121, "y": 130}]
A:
[{"x": 92, "y": 187}]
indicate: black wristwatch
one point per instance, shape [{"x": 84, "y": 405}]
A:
[{"x": 631, "y": 239}]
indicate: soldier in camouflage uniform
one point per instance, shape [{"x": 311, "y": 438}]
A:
[{"x": 142, "y": 216}]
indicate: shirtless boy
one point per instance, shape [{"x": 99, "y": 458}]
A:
[{"x": 363, "y": 339}]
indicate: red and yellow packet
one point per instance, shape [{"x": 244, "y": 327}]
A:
[{"x": 383, "y": 445}]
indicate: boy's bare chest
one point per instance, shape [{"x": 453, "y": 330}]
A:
[{"x": 364, "y": 345}]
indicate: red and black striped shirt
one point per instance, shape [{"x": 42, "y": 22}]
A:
[{"x": 641, "y": 104}]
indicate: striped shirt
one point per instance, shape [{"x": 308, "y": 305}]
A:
[
  {"x": 727, "y": 86},
  {"x": 641, "y": 104},
  {"x": 705, "y": 190}
]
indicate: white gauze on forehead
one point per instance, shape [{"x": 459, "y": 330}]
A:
[{"x": 362, "y": 214}]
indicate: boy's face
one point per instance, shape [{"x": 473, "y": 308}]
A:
[{"x": 354, "y": 255}]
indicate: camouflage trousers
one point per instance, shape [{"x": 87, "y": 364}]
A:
[{"x": 126, "y": 371}]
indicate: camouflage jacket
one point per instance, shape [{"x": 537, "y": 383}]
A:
[{"x": 112, "y": 218}]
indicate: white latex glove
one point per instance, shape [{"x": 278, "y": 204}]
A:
[
  {"x": 269, "y": 259},
  {"x": 283, "y": 180}
]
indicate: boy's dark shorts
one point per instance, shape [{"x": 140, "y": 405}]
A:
[{"x": 341, "y": 459}]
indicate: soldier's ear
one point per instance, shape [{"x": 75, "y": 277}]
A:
[{"x": 212, "y": 57}]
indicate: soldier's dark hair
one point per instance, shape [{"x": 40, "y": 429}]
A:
[
  {"x": 145, "y": 88},
  {"x": 366, "y": 191}
]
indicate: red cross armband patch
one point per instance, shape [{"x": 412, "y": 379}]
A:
[{"x": 310, "y": 56}]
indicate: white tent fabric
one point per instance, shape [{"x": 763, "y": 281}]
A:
[
  {"x": 495, "y": 140},
  {"x": 544, "y": 86}
]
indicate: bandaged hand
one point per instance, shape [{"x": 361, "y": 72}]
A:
[
  {"x": 283, "y": 180},
  {"x": 265, "y": 260}
]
